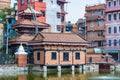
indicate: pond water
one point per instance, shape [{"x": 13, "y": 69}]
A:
[{"x": 64, "y": 75}]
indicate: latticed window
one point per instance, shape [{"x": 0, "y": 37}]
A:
[
  {"x": 53, "y": 57},
  {"x": 77, "y": 55},
  {"x": 38, "y": 55},
  {"x": 65, "y": 56}
]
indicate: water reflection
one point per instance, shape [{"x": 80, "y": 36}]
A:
[{"x": 64, "y": 75}]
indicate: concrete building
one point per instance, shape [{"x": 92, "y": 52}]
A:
[
  {"x": 95, "y": 25},
  {"x": 113, "y": 28},
  {"x": 81, "y": 27},
  {"x": 51, "y": 12},
  {"x": 4, "y": 4}
]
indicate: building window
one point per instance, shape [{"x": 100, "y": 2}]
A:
[
  {"x": 109, "y": 30},
  {"x": 62, "y": 19},
  {"x": 43, "y": 13},
  {"x": 109, "y": 42},
  {"x": 100, "y": 43},
  {"x": 91, "y": 24},
  {"x": 22, "y": 2},
  {"x": 91, "y": 34},
  {"x": 119, "y": 29},
  {"x": 115, "y": 42},
  {"x": 65, "y": 56},
  {"x": 100, "y": 33},
  {"x": 119, "y": 2},
  {"x": 119, "y": 16},
  {"x": 115, "y": 16},
  {"x": 115, "y": 29},
  {"x": 38, "y": 55},
  {"x": 92, "y": 43},
  {"x": 100, "y": 23},
  {"x": 92, "y": 13},
  {"x": 58, "y": 28},
  {"x": 40, "y": 0},
  {"x": 109, "y": 4},
  {"x": 100, "y": 12},
  {"x": 51, "y": 1},
  {"x": 119, "y": 42},
  {"x": 114, "y": 2},
  {"x": 109, "y": 17},
  {"x": 77, "y": 56},
  {"x": 53, "y": 57},
  {"x": 28, "y": 1}
]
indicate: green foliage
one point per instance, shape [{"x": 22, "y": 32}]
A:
[
  {"x": 3, "y": 48},
  {"x": 2, "y": 16}
]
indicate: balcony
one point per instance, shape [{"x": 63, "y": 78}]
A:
[{"x": 95, "y": 17}]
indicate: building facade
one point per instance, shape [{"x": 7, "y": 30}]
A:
[
  {"x": 37, "y": 5},
  {"x": 51, "y": 11},
  {"x": 54, "y": 49},
  {"x": 95, "y": 25},
  {"x": 81, "y": 27},
  {"x": 113, "y": 28},
  {"x": 4, "y": 4}
]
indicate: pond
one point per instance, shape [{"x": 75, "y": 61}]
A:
[{"x": 64, "y": 75}]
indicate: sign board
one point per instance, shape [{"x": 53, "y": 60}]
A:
[{"x": 98, "y": 50}]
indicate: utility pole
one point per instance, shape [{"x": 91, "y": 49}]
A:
[
  {"x": 7, "y": 39},
  {"x": 35, "y": 20}
]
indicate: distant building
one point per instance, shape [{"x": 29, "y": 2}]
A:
[
  {"x": 98, "y": 58},
  {"x": 95, "y": 25},
  {"x": 4, "y": 4},
  {"x": 51, "y": 12},
  {"x": 81, "y": 28},
  {"x": 113, "y": 28}
]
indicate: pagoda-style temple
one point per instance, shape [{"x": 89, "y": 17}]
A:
[
  {"x": 26, "y": 30},
  {"x": 48, "y": 49}
]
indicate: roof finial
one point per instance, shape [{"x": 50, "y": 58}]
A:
[{"x": 20, "y": 44}]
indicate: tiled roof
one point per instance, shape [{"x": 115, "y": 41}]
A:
[
  {"x": 62, "y": 37},
  {"x": 50, "y": 38},
  {"x": 24, "y": 37},
  {"x": 31, "y": 24},
  {"x": 29, "y": 12}
]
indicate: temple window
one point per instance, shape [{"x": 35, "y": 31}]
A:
[
  {"x": 65, "y": 56},
  {"x": 77, "y": 55},
  {"x": 38, "y": 55},
  {"x": 53, "y": 57}
]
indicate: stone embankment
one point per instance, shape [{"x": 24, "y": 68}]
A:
[
  {"x": 4, "y": 69},
  {"x": 7, "y": 69}
]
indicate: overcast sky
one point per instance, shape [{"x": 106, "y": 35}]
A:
[{"x": 76, "y": 8}]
